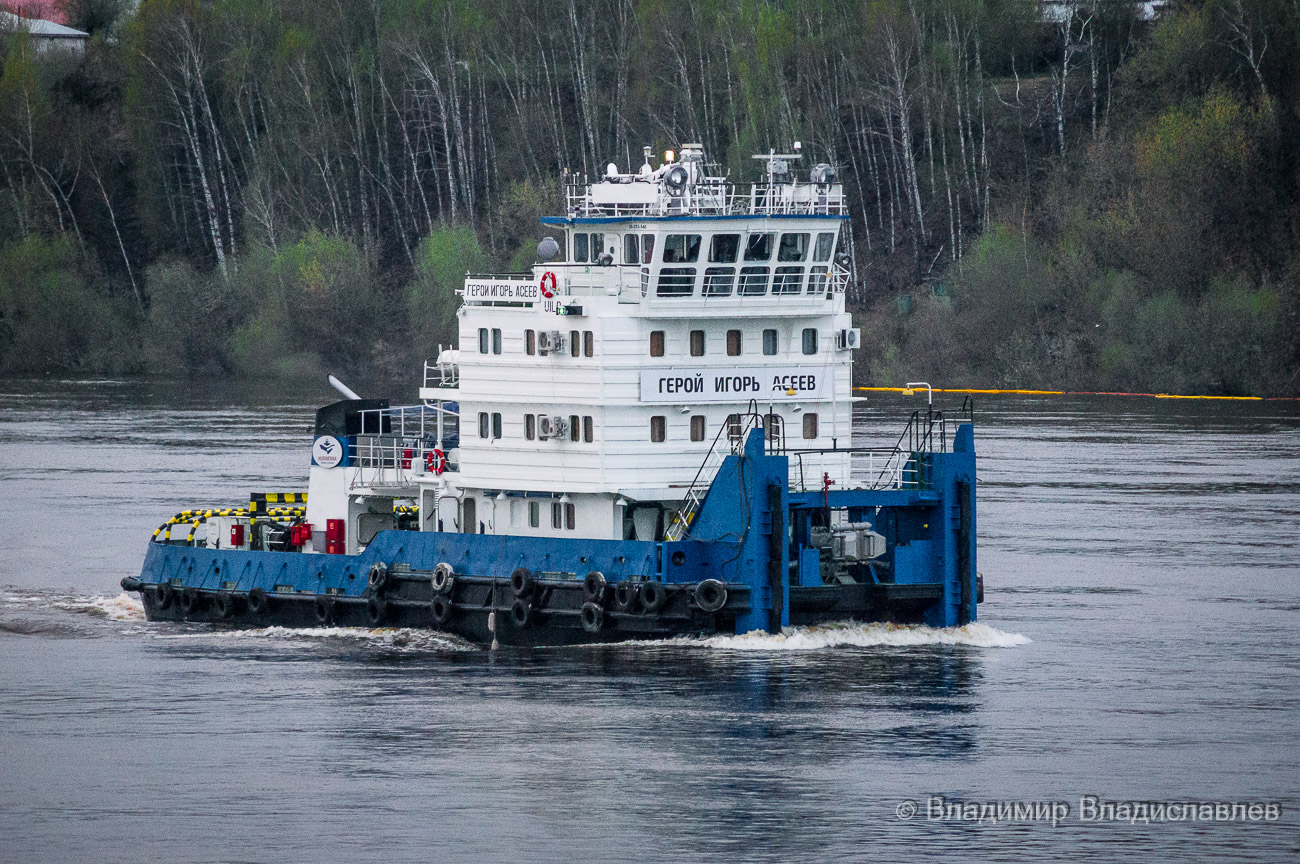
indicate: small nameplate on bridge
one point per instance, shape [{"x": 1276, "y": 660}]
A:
[
  {"x": 500, "y": 289},
  {"x": 736, "y": 384}
]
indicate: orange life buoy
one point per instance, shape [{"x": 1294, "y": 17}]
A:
[
  {"x": 548, "y": 276},
  {"x": 435, "y": 460}
]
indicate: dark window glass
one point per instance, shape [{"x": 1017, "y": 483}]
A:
[
  {"x": 588, "y": 429},
  {"x": 482, "y": 340},
  {"x": 658, "y": 427},
  {"x": 769, "y": 342},
  {"x": 681, "y": 248},
  {"x": 817, "y": 280},
  {"x": 530, "y": 342},
  {"x": 588, "y": 343},
  {"x": 534, "y": 514},
  {"x": 788, "y": 280},
  {"x": 496, "y": 425},
  {"x": 753, "y": 281},
  {"x": 557, "y": 515},
  {"x": 735, "y": 428},
  {"x": 810, "y": 425},
  {"x": 697, "y": 343},
  {"x": 575, "y": 430},
  {"x": 496, "y": 341},
  {"x": 758, "y": 247},
  {"x": 697, "y": 427},
  {"x": 647, "y": 248},
  {"x": 773, "y": 428},
  {"x": 723, "y": 248},
  {"x": 810, "y": 340},
  {"x": 794, "y": 247},
  {"x": 656, "y": 343},
  {"x": 597, "y": 246},
  {"x": 580, "y": 248},
  {"x": 676, "y": 282},
  {"x": 483, "y": 424},
  {"x": 718, "y": 281},
  {"x": 575, "y": 343},
  {"x": 631, "y": 249},
  {"x": 570, "y": 516},
  {"x": 825, "y": 245},
  {"x": 530, "y": 426},
  {"x": 469, "y": 516},
  {"x": 733, "y": 343}
]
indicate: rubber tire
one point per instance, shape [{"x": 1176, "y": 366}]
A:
[
  {"x": 258, "y": 602},
  {"x": 190, "y": 601},
  {"x": 377, "y": 578},
  {"x": 711, "y": 595},
  {"x": 441, "y": 609},
  {"x": 443, "y": 578},
  {"x": 163, "y": 595},
  {"x": 653, "y": 596},
  {"x": 521, "y": 614},
  {"x": 223, "y": 604},
  {"x": 521, "y": 582},
  {"x": 626, "y": 596},
  {"x": 593, "y": 617},
  {"x": 594, "y": 588},
  {"x": 324, "y": 609},
  {"x": 377, "y": 610}
]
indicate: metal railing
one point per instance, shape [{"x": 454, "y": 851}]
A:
[
  {"x": 396, "y": 444},
  {"x": 712, "y": 197}
]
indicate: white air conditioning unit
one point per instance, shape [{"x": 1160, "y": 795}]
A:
[
  {"x": 550, "y": 342},
  {"x": 551, "y": 427},
  {"x": 847, "y": 340}
]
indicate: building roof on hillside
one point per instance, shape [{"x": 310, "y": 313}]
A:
[
  {"x": 39, "y": 27},
  {"x": 45, "y": 10}
]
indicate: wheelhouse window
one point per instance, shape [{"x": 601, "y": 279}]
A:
[
  {"x": 631, "y": 249},
  {"x": 825, "y": 245},
  {"x": 758, "y": 247},
  {"x": 770, "y": 342},
  {"x": 676, "y": 282},
  {"x": 810, "y": 425},
  {"x": 794, "y": 247},
  {"x": 697, "y": 427},
  {"x": 647, "y": 248},
  {"x": 697, "y": 343},
  {"x": 656, "y": 343},
  {"x": 587, "y": 247},
  {"x": 818, "y": 279},
  {"x": 753, "y": 281},
  {"x": 718, "y": 281},
  {"x": 788, "y": 280},
  {"x": 723, "y": 248},
  {"x": 681, "y": 248},
  {"x": 733, "y": 343},
  {"x": 658, "y": 428},
  {"x": 810, "y": 340}
]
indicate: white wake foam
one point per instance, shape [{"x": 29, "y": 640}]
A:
[
  {"x": 123, "y": 607},
  {"x": 396, "y": 638},
  {"x": 849, "y": 634}
]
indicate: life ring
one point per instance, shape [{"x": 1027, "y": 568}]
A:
[
  {"x": 435, "y": 460},
  {"x": 548, "y": 276}
]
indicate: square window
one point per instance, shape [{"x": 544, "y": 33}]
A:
[
  {"x": 658, "y": 427},
  {"x": 697, "y": 427},
  {"x": 697, "y": 343},
  {"x": 676, "y": 282},
  {"x": 810, "y": 425},
  {"x": 794, "y": 247},
  {"x": 825, "y": 244},
  {"x": 733, "y": 343},
  {"x": 482, "y": 340},
  {"x": 723, "y": 248},
  {"x": 758, "y": 247},
  {"x": 631, "y": 249},
  {"x": 769, "y": 342},
  {"x": 718, "y": 281},
  {"x": 588, "y": 343},
  {"x": 817, "y": 280},
  {"x": 534, "y": 514},
  {"x": 681, "y": 248},
  {"x": 588, "y": 429},
  {"x": 580, "y": 254},
  {"x": 810, "y": 340},
  {"x": 788, "y": 280},
  {"x": 656, "y": 343},
  {"x": 597, "y": 247},
  {"x": 753, "y": 281}
]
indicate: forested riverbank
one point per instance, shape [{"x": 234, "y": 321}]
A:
[{"x": 280, "y": 187}]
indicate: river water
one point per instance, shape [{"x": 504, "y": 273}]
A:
[{"x": 1138, "y": 643}]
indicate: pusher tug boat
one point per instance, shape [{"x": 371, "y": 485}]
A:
[{"x": 648, "y": 435}]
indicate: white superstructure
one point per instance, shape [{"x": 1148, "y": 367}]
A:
[{"x": 667, "y": 304}]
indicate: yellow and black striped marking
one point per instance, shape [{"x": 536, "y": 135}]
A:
[{"x": 258, "y": 501}]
